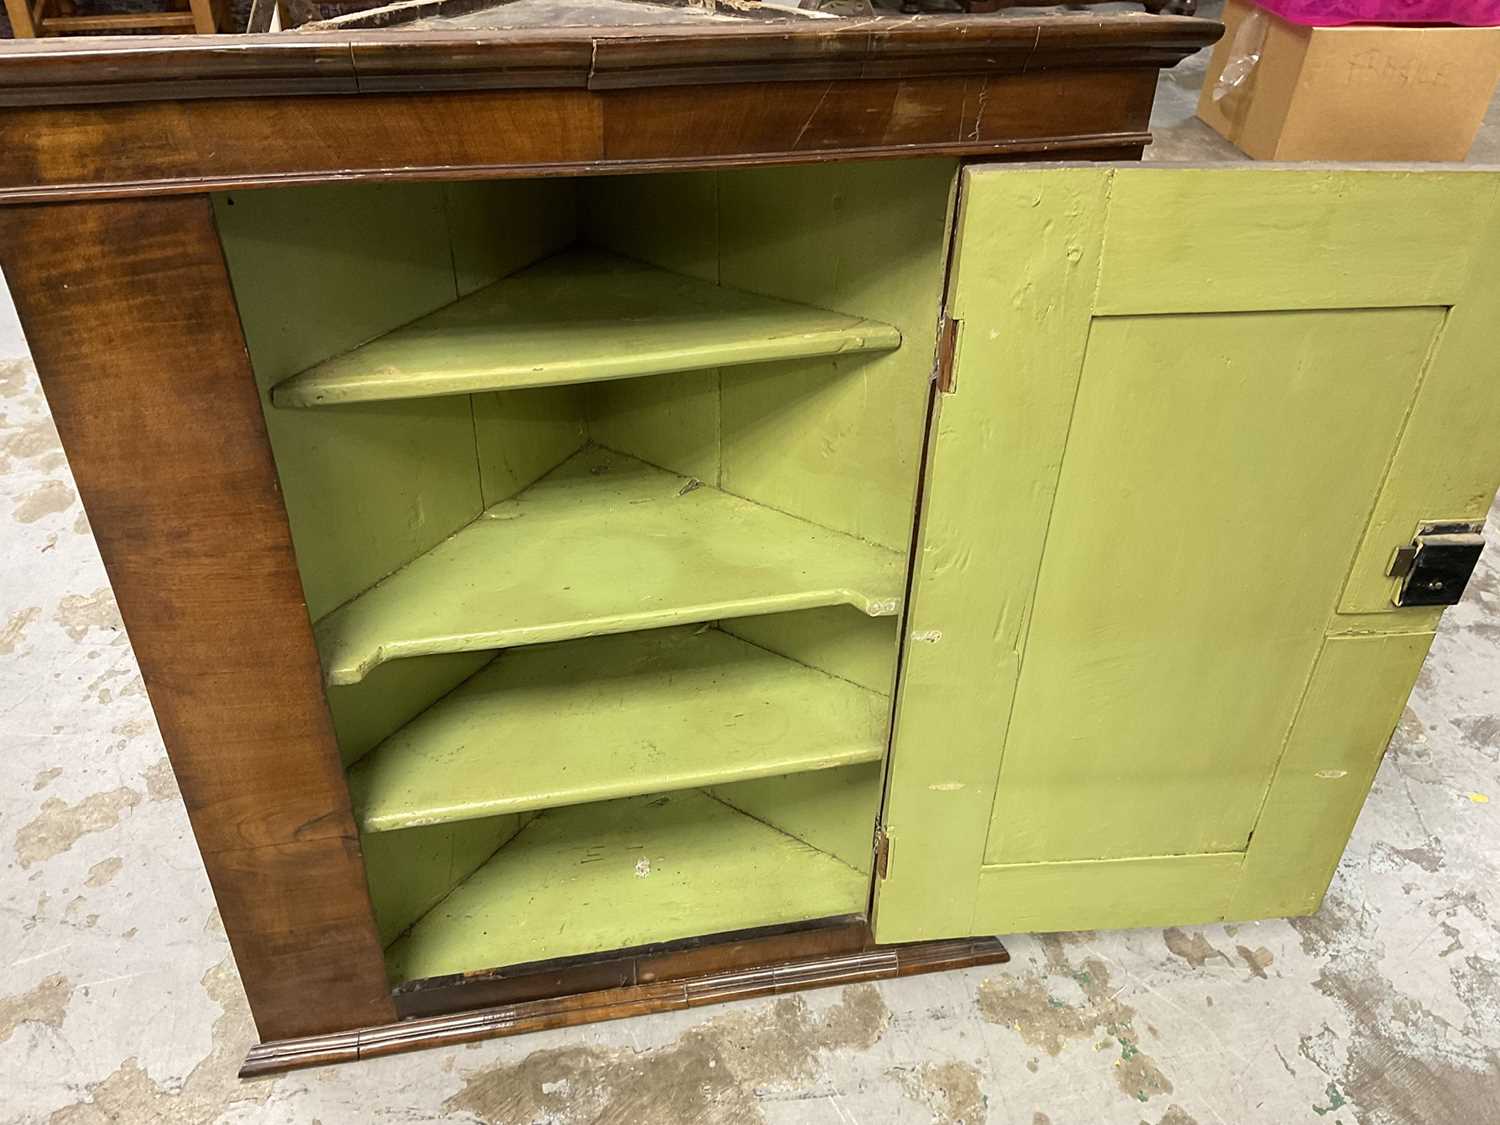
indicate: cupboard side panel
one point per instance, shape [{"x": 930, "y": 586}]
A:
[
  {"x": 670, "y": 219},
  {"x": 412, "y": 870},
  {"x": 831, "y": 810},
  {"x": 369, "y": 487},
  {"x": 318, "y": 271},
  {"x": 496, "y": 227},
  {"x": 837, "y": 441},
  {"x": 838, "y": 639},
  {"x": 140, "y": 353},
  {"x": 521, "y": 436},
  {"x": 832, "y": 441}
]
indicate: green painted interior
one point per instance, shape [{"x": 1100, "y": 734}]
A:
[
  {"x": 589, "y": 878},
  {"x": 366, "y": 713},
  {"x": 588, "y": 720},
  {"x": 837, "y": 639},
  {"x": 580, "y": 316},
  {"x": 368, "y": 488},
  {"x": 1192, "y": 434},
  {"x": 833, "y": 810},
  {"x": 317, "y": 271},
  {"x": 604, "y": 544},
  {"x": 1151, "y": 660},
  {"x": 780, "y": 489},
  {"x": 833, "y": 440},
  {"x": 411, "y": 872}
]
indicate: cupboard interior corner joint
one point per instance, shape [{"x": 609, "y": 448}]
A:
[{"x": 840, "y": 510}]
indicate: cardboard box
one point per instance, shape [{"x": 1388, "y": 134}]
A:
[{"x": 1352, "y": 93}]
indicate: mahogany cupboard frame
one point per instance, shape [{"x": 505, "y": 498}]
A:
[{"x": 109, "y": 243}]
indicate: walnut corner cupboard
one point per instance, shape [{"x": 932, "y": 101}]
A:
[{"x": 617, "y": 519}]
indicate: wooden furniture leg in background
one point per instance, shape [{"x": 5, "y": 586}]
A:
[
  {"x": 61, "y": 17},
  {"x": 205, "y": 20},
  {"x": 21, "y": 24},
  {"x": 141, "y": 329}
]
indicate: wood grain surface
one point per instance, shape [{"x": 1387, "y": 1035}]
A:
[
  {"x": 666, "y": 961},
  {"x": 139, "y": 350},
  {"x": 147, "y": 147},
  {"x": 153, "y": 148},
  {"x": 135, "y": 68},
  {"x": 714, "y": 974}
]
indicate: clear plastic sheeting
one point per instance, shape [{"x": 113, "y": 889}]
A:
[
  {"x": 1249, "y": 40},
  {"x": 1244, "y": 53}
]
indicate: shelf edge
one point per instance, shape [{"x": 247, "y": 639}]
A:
[
  {"x": 344, "y": 673},
  {"x": 499, "y": 806},
  {"x": 304, "y": 390}
]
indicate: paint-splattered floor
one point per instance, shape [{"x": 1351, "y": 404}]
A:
[{"x": 119, "y": 1002}]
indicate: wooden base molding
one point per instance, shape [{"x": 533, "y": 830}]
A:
[{"x": 669, "y": 980}]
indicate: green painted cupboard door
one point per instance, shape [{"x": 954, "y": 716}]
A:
[{"x": 1154, "y": 656}]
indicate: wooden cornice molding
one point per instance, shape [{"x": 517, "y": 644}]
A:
[{"x": 41, "y": 72}]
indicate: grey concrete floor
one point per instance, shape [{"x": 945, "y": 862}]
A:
[{"x": 120, "y": 1003}]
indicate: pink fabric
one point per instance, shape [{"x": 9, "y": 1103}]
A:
[{"x": 1331, "y": 13}]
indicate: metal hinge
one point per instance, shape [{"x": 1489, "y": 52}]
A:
[
  {"x": 882, "y": 853},
  {"x": 947, "y": 353},
  {"x": 1437, "y": 564}
]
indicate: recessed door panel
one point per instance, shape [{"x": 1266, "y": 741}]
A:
[
  {"x": 1217, "y": 476},
  {"x": 1153, "y": 650}
]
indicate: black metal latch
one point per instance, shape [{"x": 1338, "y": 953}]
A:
[{"x": 1435, "y": 567}]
